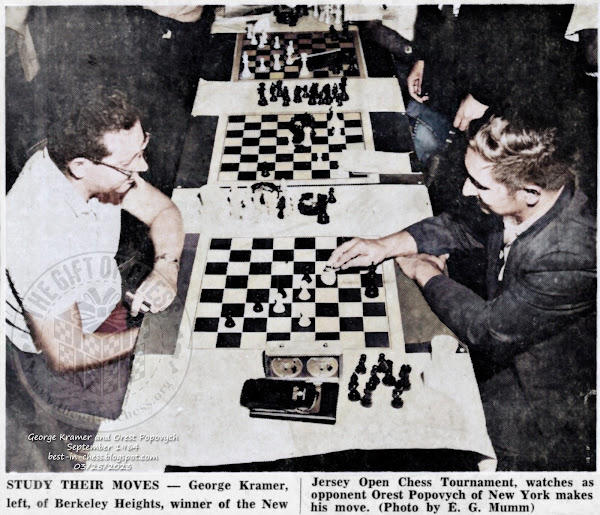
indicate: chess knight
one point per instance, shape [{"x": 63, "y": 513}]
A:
[
  {"x": 532, "y": 339},
  {"x": 69, "y": 331}
]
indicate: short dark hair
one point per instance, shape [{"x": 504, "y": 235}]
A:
[
  {"x": 79, "y": 132},
  {"x": 521, "y": 155}
]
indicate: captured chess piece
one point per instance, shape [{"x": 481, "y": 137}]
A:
[
  {"x": 361, "y": 368},
  {"x": 262, "y": 99},
  {"x": 404, "y": 379},
  {"x": 374, "y": 377},
  {"x": 353, "y": 395},
  {"x": 367, "y": 400},
  {"x": 389, "y": 379},
  {"x": 353, "y": 381},
  {"x": 331, "y": 197},
  {"x": 382, "y": 367},
  {"x": 397, "y": 401}
]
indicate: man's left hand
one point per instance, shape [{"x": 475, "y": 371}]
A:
[
  {"x": 157, "y": 292},
  {"x": 470, "y": 109},
  {"x": 422, "y": 267}
]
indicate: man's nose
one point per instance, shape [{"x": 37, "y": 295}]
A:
[
  {"x": 468, "y": 189},
  {"x": 141, "y": 164}
]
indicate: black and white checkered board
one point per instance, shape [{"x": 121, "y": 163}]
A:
[
  {"x": 308, "y": 42},
  {"x": 242, "y": 273},
  {"x": 254, "y": 143}
]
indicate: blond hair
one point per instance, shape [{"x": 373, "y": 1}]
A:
[{"x": 521, "y": 155}]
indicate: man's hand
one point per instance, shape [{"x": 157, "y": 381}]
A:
[
  {"x": 470, "y": 109},
  {"x": 358, "y": 252},
  {"x": 158, "y": 290},
  {"x": 422, "y": 267},
  {"x": 415, "y": 82}
]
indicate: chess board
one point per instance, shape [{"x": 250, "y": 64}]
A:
[
  {"x": 234, "y": 305},
  {"x": 262, "y": 147},
  {"x": 307, "y": 42}
]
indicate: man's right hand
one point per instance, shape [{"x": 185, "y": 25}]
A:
[
  {"x": 358, "y": 252},
  {"x": 415, "y": 82}
]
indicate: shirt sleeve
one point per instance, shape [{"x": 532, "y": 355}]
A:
[{"x": 539, "y": 302}]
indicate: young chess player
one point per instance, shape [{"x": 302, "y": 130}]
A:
[
  {"x": 66, "y": 322},
  {"x": 536, "y": 328}
]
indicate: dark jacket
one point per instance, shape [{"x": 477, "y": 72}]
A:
[{"x": 532, "y": 322}]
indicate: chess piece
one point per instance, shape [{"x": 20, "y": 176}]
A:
[
  {"x": 353, "y": 395},
  {"x": 389, "y": 379},
  {"x": 276, "y": 62},
  {"x": 353, "y": 381},
  {"x": 397, "y": 401},
  {"x": 249, "y": 31},
  {"x": 229, "y": 321},
  {"x": 316, "y": 11},
  {"x": 297, "y": 95},
  {"x": 246, "y": 70},
  {"x": 254, "y": 41},
  {"x": 276, "y": 44},
  {"x": 285, "y": 96},
  {"x": 289, "y": 50},
  {"x": 279, "y": 306},
  {"x": 304, "y": 72},
  {"x": 331, "y": 197},
  {"x": 304, "y": 294},
  {"x": 361, "y": 367},
  {"x": 307, "y": 141},
  {"x": 304, "y": 321},
  {"x": 262, "y": 68},
  {"x": 273, "y": 91},
  {"x": 338, "y": 14},
  {"x": 263, "y": 40},
  {"x": 328, "y": 276},
  {"x": 404, "y": 377},
  {"x": 327, "y": 17},
  {"x": 382, "y": 367},
  {"x": 262, "y": 99},
  {"x": 366, "y": 401},
  {"x": 371, "y": 289},
  {"x": 258, "y": 308}
]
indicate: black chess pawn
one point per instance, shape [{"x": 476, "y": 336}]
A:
[
  {"x": 353, "y": 395},
  {"x": 397, "y": 401},
  {"x": 331, "y": 197},
  {"x": 389, "y": 379},
  {"x": 381, "y": 364},
  {"x": 367, "y": 400},
  {"x": 361, "y": 367},
  {"x": 343, "y": 93},
  {"x": 229, "y": 321},
  {"x": 404, "y": 376},
  {"x": 280, "y": 207},
  {"x": 306, "y": 277},
  {"x": 258, "y": 308},
  {"x": 353, "y": 381},
  {"x": 273, "y": 91},
  {"x": 334, "y": 34}
]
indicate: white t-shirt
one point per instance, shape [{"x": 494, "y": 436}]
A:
[{"x": 60, "y": 250}]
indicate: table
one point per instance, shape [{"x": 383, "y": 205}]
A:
[{"x": 188, "y": 392}]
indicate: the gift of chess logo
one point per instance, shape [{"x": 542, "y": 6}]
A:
[{"x": 99, "y": 287}]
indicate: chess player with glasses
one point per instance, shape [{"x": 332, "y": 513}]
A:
[{"x": 63, "y": 227}]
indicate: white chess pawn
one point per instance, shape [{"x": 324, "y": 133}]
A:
[
  {"x": 246, "y": 71},
  {"x": 277, "y": 44},
  {"x": 316, "y": 12},
  {"x": 279, "y": 307},
  {"x": 263, "y": 40},
  {"x": 304, "y": 321},
  {"x": 276, "y": 63},
  {"x": 338, "y": 14},
  {"x": 290, "y": 52},
  {"x": 254, "y": 41},
  {"x": 307, "y": 141},
  {"x": 322, "y": 14},
  {"x": 304, "y": 70},
  {"x": 327, "y": 14},
  {"x": 262, "y": 68},
  {"x": 304, "y": 293}
]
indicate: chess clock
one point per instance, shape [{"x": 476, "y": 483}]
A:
[{"x": 317, "y": 361}]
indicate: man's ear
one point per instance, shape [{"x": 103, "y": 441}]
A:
[
  {"x": 532, "y": 194},
  {"x": 78, "y": 167}
]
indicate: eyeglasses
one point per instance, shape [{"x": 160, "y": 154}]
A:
[{"x": 128, "y": 173}]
